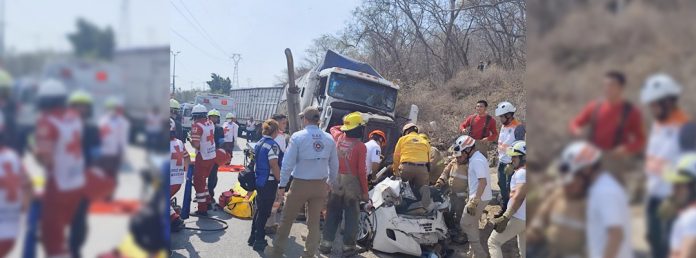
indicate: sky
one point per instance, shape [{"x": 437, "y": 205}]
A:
[
  {"x": 258, "y": 30},
  {"x": 42, "y": 25}
]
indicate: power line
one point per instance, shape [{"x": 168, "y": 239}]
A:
[
  {"x": 208, "y": 38},
  {"x": 195, "y": 46},
  {"x": 212, "y": 40}
]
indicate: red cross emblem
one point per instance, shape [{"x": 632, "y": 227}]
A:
[
  {"x": 209, "y": 138},
  {"x": 10, "y": 182},
  {"x": 178, "y": 155},
  {"x": 75, "y": 145},
  {"x": 104, "y": 131},
  {"x": 226, "y": 130}
]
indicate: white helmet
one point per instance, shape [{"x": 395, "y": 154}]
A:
[
  {"x": 659, "y": 86},
  {"x": 462, "y": 143},
  {"x": 576, "y": 156},
  {"x": 199, "y": 109},
  {"x": 518, "y": 148},
  {"x": 684, "y": 171},
  {"x": 172, "y": 125},
  {"x": 504, "y": 108},
  {"x": 51, "y": 88},
  {"x": 230, "y": 115}
]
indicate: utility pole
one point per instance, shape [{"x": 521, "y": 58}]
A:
[
  {"x": 2, "y": 29},
  {"x": 174, "y": 71},
  {"x": 235, "y": 76}
]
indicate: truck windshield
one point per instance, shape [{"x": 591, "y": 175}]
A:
[{"x": 362, "y": 91}]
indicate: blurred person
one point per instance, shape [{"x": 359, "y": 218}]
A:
[
  {"x": 178, "y": 164},
  {"x": 683, "y": 177},
  {"x": 15, "y": 191},
  {"x": 506, "y": 112},
  {"x": 113, "y": 131},
  {"x": 344, "y": 200},
  {"x": 81, "y": 101},
  {"x": 59, "y": 150},
  {"x": 479, "y": 191},
  {"x": 614, "y": 125},
  {"x": 175, "y": 114},
  {"x": 481, "y": 127},
  {"x": 267, "y": 170},
  {"x": 250, "y": 128},
  {"x": 608, "y": 215},
  {"x": 455, "y": 176},
  {"x": 8, "y": 108},
  {"x": 282, "y": 140},
  {"x": 436, "y": 163},
  {"x": 513, "y": 222},
  {"x": 411, "y": 158},
  {"x": 374, "y": 152},
  {"x": 312, "y": 160},
  {"x": 153, "y": 128},
  {"x": 661, "y": 93},
  {"x": 203, "y": 141},
  {"x": 219, "y": 136},
  {"x": 231, "y": 130}
]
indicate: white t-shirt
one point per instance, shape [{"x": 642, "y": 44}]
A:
[
  {"x": 373, "y": 152},
  {"x": 518, "y": 178},
  {"x": 478, "y": 168},
  {"x": 607, "y": 207},
  {"x": 280, "y": 139},
  {"x": 684, "y": 227},
  {"x": 231, "y": 130}
]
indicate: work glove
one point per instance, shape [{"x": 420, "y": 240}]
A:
[
  {"x": 509, "y": 170},
  {"x": 471, "y": 206},
  {"x": 667, "y": 210},
  {"x": 500, "y": 223}
]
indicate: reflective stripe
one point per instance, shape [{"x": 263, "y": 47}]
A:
[{"x": 201, "y": 194}]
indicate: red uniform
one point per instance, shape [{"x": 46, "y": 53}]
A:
[
  {"x": 352, "y": 154},
  {"x": 12, "y": 180},
  {"x": 203, "y": 135},
  {"x": 177, "y": 172},
  {"x": 477, "y": 123},
  {"x": 59, "y": 149},
  {"x": 606, "y": 119}
]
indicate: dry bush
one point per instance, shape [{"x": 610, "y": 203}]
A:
[
  {"x": 449, "y": 104},
  {"x": 566, "y": 65}
]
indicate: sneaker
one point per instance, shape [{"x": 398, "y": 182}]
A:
[
  {"x": 325, "y": 247},
  {"x": 251, "y": 240},
  {"x": 259, "y": 246}
]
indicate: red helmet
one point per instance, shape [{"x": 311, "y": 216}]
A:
[{"x": 222, "y": 157}]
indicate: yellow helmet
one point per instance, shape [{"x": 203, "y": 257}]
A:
[
  {"x": 685, "y": 171},
  {"x": 351, "y": 121},
  {"x": 174, "y": 104},
  {"x": 214, "y": 112},
  {"x": 518, "y": 148},
  {"x": 5, "y": 79},
  {"x": 80, "y": 97}
]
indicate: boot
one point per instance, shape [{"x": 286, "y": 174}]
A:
[
  {"x": 259, "y": 246},
  {"x": 325, "y": 247},
  {"x": 251, "y": 240}
]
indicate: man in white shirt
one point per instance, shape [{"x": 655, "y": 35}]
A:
[
  {"x": 250, "y": 129},
  {"x": 479, "y": 192},
  {"x": 231, "y": 130},
  {"x": 683, "y": 178},
  {"x": 114, "y": 129},
  {"x": 608, "y": 216},
  {"x": 374, "y": 151}
]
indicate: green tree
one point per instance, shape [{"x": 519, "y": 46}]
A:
[
  {"x": 89, "y": 41},
  {"x": 219, "y": 85}
]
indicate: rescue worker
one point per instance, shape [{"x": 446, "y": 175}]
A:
[
  {"x": 378, "y": 140},
  {"x": 608, "y": 227},
  {"x": 178, "y": 164},
  {"x": 153, "y": 128},
  {"x": 250, "y": 129},
  {"x": 267, "y": 170},
  {"x": 455, "y": 176},
  {"x": 312, "y": 161},
  {"x": 344, "y": 201},
  {"x": 230, "y": 129},
  {"x": 481, "y": 127},
  {"x": 175, "y": 114},
  {"x": 282, "y": 140},
  {"x": 660, "y": 93},
  {"x": 683, "y": 237},
  {"x": 15, "y": 188},
  {"x": 411, "y": 157},
  {"x": 513, "y": 222},
  {"x": 59, "y": 150},
  {"x": 479, "y": 191},
  {"x": 506, "y": 112},
  {"x": 8, "y": 108},
  {"x": 113, "y": 132},
  {"x": 436, "y": 163},
  {"x": 81, "y": 101},
  {"x": 203, "y": 140},
  {"x": 219, "y": 135}
]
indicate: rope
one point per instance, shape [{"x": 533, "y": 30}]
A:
[{"x": 208, "y": 229}]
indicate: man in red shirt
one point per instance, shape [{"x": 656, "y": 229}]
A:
[
  {"x": 614, "y": 124},
  {"x": 352, "y": 184},
  {"x": 481, "y": 127}
]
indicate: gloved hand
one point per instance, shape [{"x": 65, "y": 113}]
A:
[
  {"x": 500, "y": 223},
  {"x": 509, "y": 170},
  {"x": 667, "y": 210},
  {"x": 471, "y": 206}
]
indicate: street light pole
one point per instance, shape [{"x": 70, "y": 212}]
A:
[{"x": 174, "y": 71}]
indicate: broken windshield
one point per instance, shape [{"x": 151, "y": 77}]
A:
[{"x": 362, "y": 91}]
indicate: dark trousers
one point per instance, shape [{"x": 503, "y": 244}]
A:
[
  {"x": 212, "y": 181},
  {"x": 658, "y": 230},
  {"x": 78, "y": 229},
  {"x": 337, "y": 208},
  {"x": 265, "y": 196},
  {"x": 504, "y": 184}
]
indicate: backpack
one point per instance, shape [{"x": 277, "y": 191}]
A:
[
  {"x": 237, "y": 206},
  {"x": 485, "y": 125},
  {"x": 247, "y": 178}
]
